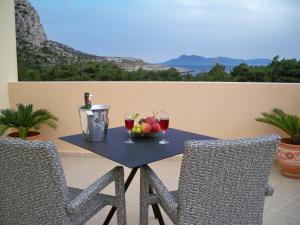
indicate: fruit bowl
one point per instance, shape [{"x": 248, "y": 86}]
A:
[
  {"x": 146, "y": 128},
  {"x": 143, "y": 135}
]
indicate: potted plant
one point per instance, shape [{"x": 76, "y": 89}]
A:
[
  {"x": 26, "y": 121},
  {"x": 289, "y": 149}
]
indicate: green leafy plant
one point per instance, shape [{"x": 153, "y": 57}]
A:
[
  {"x": 24, "y": 119},
  {"x": 290, "y": 124}
]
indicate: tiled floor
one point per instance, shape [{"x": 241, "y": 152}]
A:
[{"x": 81, "y": 170}]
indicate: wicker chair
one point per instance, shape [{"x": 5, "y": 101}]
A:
[
  {"x": 222, "y": 182},
  {"x": 33, "y": 189}
]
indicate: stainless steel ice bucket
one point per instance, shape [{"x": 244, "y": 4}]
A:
[{"x": 94, "y": 122}]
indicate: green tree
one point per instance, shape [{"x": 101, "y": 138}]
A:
[{"x": 217, "y": 73}]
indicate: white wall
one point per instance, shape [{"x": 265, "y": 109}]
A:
[{"x": 8, "y": 57}]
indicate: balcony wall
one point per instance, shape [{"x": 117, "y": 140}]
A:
[{"x": 224, "y": 110}]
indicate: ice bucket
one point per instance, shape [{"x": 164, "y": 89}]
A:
[{"x": 94, "y": 122}]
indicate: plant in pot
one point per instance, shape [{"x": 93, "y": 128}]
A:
[
  {"x": 26, "y": 121},
  {"x": 289, "y": 149}
]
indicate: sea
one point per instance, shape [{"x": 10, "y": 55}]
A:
[{"x": 203, "y": 68}]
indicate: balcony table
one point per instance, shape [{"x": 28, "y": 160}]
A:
[{"x": 134, "y": 156}]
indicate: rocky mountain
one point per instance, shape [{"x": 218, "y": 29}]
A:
[
  {"x": 195, "y": 60},
  {"x": 29, "y": 28},
  {"x": 34, "y": 47},
  {"x": 32, "y": 42}
]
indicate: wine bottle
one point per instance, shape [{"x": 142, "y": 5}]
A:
[{"x": 87, "y": 100}]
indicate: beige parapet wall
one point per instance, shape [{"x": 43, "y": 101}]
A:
[{"x": 224, "y": 110}]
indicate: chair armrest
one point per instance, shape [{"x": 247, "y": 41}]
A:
[
  {"x": 269, "y": 191},
  {"x": 161, "y": 190},
  {"x": 86, "y": 195}
]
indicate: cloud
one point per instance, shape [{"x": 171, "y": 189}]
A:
[{"x": 238, "y": 6}]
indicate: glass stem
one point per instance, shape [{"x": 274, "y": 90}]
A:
[
  {"x": 129, "y": 133},
  {"x": 164, "y": 135}
]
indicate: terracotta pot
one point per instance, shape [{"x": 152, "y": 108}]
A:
[
  {"x": 32, "y": 135},
  {"x": 288, "y": 157}
]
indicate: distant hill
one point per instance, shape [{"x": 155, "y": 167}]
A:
[{"x": 195, "y": 60}]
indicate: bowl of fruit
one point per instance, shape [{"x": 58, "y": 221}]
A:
[{"x": 146, "y": 128}]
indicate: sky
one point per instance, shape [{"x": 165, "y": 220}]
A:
[{"x": 158, "y": 30}]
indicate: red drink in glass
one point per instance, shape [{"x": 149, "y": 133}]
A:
[
  {"x": 164, "y": 124},
  {"x": 129, "y": 123}
]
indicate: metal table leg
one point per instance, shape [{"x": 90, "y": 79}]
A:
[
  {"x": 155, "y": 207},
  {"x": 156, "y": 210},
  {"x": 127, "y": 183}
]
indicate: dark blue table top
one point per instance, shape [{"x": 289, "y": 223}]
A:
[{"x": 142, "y": 152}]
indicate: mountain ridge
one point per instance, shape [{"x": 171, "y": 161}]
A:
[{"x": 195, "y": 60}]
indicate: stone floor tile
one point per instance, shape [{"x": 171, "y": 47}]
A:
[
  {"x": 277, "y": 218},
  {"x": 292, "y": 208}
]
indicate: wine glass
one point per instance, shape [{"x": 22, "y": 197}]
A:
[
  {"x": 164, "y": 125},
  {"x": 129, "y": 123}
]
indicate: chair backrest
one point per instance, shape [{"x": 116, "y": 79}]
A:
[
  {"x": 224, "y": 181},
  {"x": 32, "y": 183}
]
